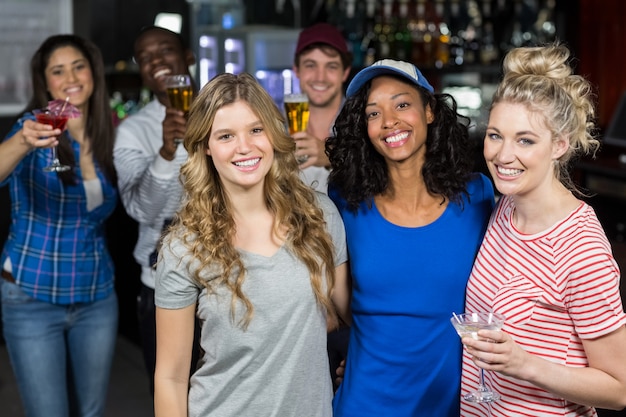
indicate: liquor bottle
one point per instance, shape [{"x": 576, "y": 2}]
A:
[
  {"x": 456, "y": 25},
  {"x": 431, "y": 36},
  {"x": 472, "y": 33},
  {"x": 419, "y": 34},
  {"x": 517, "y": 35},
  {"x": 386, "y": 33},
  {"x": 545, "y": 26},
  {"x": 354, "y": 30},
  {"x": 488, "y": 51},
  {"x": 403, "y": 34},
  {"x": 442, "y": 32},
  {"x": 370, "y": 40},
  {"x": 334, "y": 13}
]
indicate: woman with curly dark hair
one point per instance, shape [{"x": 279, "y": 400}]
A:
[{"x": 415, "y": 215}]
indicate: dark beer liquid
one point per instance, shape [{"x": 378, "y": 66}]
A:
[{"x": 180, "y": 97}]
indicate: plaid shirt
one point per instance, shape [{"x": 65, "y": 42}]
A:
[{"x": 57, "y": 248}]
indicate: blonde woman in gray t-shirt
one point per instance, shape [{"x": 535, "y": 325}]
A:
[{"x": 258, "y": 257}]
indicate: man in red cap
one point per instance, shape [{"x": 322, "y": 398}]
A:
[{"x": 322, "y": 64}]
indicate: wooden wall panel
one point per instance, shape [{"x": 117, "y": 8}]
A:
[{"x": 602, "y": 51}]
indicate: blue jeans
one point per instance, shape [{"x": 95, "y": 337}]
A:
[{"x": 61, "y": 355}]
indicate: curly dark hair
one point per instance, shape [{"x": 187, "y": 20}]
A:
[{"x": 359, "y": 172}]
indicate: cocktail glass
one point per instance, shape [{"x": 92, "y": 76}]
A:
[
  {"x": 57, "y": 121},
  {"x": 469, "y": 324}
]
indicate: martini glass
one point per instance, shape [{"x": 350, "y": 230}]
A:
[
  {"x": 57, "y": 121},
  {"x": 469, "y": 324}
]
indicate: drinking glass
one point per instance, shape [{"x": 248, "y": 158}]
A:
[
  {"x": 180, "y": 92},
  {"x": 57, "y": 120},
  {"x": 297, "y": 111},
  {"x": 469, "y": 324}
]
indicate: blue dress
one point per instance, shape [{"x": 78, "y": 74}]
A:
[{"x": 404, "y": 356}]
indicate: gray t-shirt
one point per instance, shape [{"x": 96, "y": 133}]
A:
[{"x": 278, "y": 366}]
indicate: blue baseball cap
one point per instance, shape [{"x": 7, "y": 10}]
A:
[{"x": 388, "y": 67}]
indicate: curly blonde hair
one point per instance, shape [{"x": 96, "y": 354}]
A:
[
  {"x": 205, "y": 221},
  {"x": 542, "y": 79}
]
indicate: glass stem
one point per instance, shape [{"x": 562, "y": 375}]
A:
[
  {"x": 55, "y": 158},
  {"x": 482, "y": 380}
]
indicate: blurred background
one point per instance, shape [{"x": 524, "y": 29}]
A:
[{"x": 458, "y": 44}]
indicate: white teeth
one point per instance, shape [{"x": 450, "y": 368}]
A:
[
  {"x": 161, "y": 73},
  {"x": 509, "y": 171},
  {"x": 248, "y": 163},
  {"x": 396, "y": 138}
]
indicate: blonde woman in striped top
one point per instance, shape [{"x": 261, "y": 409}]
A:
[{"x": 545, "y": 262}]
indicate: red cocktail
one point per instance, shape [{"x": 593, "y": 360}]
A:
[{"x": 57, "y": 122}]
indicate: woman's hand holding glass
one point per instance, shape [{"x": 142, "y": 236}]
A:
[
  {"x": 57, "y": 119},
  {"x": 495, "y": 350},
  {"x": 474, "y": 327},
  {"x": 39, "y": 135}
]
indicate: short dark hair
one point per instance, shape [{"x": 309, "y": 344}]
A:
[{"x": 183, "y": 43}]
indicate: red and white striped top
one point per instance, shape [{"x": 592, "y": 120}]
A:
[{"x": 554, "y": 288}]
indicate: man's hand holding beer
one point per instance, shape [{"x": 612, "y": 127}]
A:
[
  {"x": 174, "y": 127},
  {"x": 310, "y": 151}
]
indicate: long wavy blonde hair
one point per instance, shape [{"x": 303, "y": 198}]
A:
[{"x": 205, "y": 221}]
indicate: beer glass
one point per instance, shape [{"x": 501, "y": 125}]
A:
[
  {"x": 180, "y": 93},
  {"x": 297, "y": 111}
]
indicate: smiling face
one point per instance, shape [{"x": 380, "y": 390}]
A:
[
  {"x": 239, "y": 147},
  {"x": 321, "y": 76},
  {"x": 520, "y": 151},
  {"x": 159, "y": 53},
  {"x": 68, "y": 74},
  {"x": 397, "y": 120}
]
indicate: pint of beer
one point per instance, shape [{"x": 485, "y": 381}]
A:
[
  {"x": 179, "y": 91},
  {"x": 297, "y": 111}
]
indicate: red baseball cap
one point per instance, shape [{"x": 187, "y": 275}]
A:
[{"x": 322, "y": 33}]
